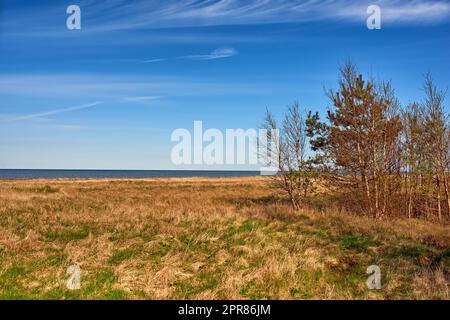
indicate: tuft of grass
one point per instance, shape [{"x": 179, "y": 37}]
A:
[
  {"x": 11, "y": 283},
  {"x": 357, "y": 242},
  {"x": 121, "y": 255},
  {"x": 202, "y": 282},
  {"x": 162, "y": 249},
  {"x": 41, "y": 189},
  {"x": 116, "y": 294},
  {"x": 57, "y": 259},
  {"x": 408, "y": 251},
  {"x": 254, "y": 290},
  {"x": 66, "y": 235}
]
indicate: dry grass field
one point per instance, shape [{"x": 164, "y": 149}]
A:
[{"x": 205, "y": 238}]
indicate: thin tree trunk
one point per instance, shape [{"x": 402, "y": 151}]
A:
[
  {"x": 447, "y": 193},
  {"x": 409, "y": 189},
  {"x": 439, "y": 198},
  {"x": 364, "y": 179}
]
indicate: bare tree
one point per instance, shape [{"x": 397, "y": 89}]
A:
[{"x": 295, "y": 177}]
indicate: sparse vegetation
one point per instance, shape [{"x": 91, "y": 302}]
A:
[
  {"x": 384, "y": 160},
  {"x": 206, "y": 238}
]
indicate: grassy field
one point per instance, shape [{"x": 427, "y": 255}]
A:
[{"x": 200, "y": 238}]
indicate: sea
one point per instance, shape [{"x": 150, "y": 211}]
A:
[{"x": 86, "y": 174}]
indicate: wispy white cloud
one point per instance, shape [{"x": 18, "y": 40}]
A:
[
  {"x": 154, "y": 60},
  {"x": 395, "y": 11},
  {"x": 43, "y": 117},
  {"x": 174, "y": 13},
  {"x": 51, "y": 112},
  {"x": 108, "y": 88},
  {"x": 141, "y": 98},
  {"x": 99, "y": 16},
  {"x": 219, "y": 53}
]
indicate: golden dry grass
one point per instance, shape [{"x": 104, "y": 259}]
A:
[{"x": 204, "y": 238}]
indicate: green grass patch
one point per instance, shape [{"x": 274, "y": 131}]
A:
[
  {"x": 11, "y": 283},
  {"x": 121, "y": 255},
  {"x": 162, "y": 248},
  {"x": 56, "y": 259},
  {"x": 66, "y": 235},
  {"x": 254, "y": 290},
  {"x": 357, "y": 242},
  {"x": 410, "y": 251},
  {"x": 202, "y": 281},
  {"x": 98, "y": 284},
  {"x": 42, "y": 189}
]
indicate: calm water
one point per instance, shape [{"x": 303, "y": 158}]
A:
[{"x": 52, "y": 174}]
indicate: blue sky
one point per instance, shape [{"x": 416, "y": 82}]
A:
[{"x": 108, "y": 96}]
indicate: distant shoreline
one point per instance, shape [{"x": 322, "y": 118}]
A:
[{"x": 18, "y": 174}]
